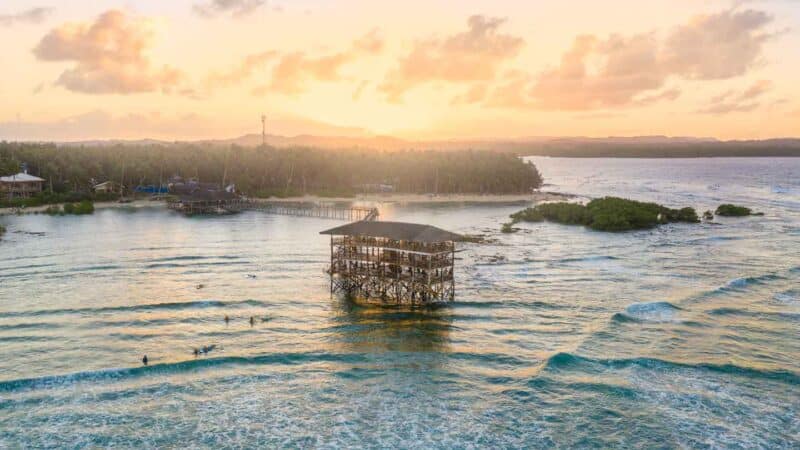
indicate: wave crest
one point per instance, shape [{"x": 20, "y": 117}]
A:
[
  {"x": 564, "y": 361},
  {"x": 134, "y": 308},
  {"x": 173, "y": 368}
]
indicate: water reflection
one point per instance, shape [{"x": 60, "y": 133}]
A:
[{"x": 366, "y": 327}]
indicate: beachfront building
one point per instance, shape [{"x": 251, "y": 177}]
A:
[
  {"x": 380, "y": 188},
  {"x": 393, "y": 262},
  {"x": 107, "y": 187},
  {"x": 201, "y": 198},
  {"x": 21, "y": 185}
]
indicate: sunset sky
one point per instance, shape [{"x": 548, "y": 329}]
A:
[{"x": 190, "y": 69}]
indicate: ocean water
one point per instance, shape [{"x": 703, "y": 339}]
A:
[{"x": 684, "y": 336}]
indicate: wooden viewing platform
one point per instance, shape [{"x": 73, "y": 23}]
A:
[{"x": 393, "y": 262}]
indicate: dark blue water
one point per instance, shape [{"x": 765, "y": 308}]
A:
[{"x": 684, "y": 336}]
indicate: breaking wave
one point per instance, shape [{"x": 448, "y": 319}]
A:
[
  {"x": 593, "y": 258},
  {"x": 649, "y": 312},
  {"x": 567, "y": 361}
]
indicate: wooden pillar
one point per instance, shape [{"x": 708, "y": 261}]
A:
[{"x": 452, "y": 271}]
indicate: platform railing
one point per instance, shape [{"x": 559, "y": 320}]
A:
[{"x": 381, "y": 243}]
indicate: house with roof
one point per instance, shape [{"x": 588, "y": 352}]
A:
[
  {"x": 107, "y": 187},
  {"x": 21, "y": 185},
  {"x": 200, "y": 198}
]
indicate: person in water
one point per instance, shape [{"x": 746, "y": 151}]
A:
[
  {"x": 252, "y": 321},
  {"x": 227, "y": 319},
  {"x": 144, "y": 360},
  {"x": 207, "y": 348}
]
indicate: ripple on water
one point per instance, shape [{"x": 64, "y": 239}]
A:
[
  {"x": 649, "y": 312},
  {"x": 197, "y": 304},
  {"x": 788, "y": 296},
  {"x": 115, "y": 375},
  {"x": 650, "y": 391}
]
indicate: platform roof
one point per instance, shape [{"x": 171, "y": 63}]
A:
[
  {"x": 400, "y": 231},
  {"x": 20, "y": 178}
]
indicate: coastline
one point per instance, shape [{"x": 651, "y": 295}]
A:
[
  {"x": 425, "y": 198},
  {"x": 97, "y": 205},
  {"x": 535, "y": 197}
]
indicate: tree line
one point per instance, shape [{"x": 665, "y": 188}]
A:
[{"x": 268, "y": 171}]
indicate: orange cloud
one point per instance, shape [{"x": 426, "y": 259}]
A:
[
  {"x": 628, "y": 66},
  {"x": 727, "y": 108},
  {"x": 730, "y": 101},
  {"x": 621, "y": 71},
  {"x": 109, "y": 56},
  {"x": 666, "y": 94},
  {"x": 294, "y": 70},
  {"x": 474, "y": 94},
  {"x": 469, "y": 56},
  {"x": 237, "y": 8},
  {"x": 33, "y": 15},
  {"x": 716, "y": 46},
  {"x": 244, "y": 70},
  {"x": 757, "y": 89},
  {"x": 510, "y": 93},
  {"x": 369, "y": 43}
]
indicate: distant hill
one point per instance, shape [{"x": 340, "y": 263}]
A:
[
  {"x": 573, "y": 147},
  {"x": 659, "y": 147},
  {"x": 328, "y": 142}
]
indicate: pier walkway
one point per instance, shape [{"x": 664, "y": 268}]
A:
[{"x": 348, "y": 213}]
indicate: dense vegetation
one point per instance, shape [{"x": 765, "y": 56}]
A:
[
  {"x": 80, "y": 208},
  {"x": 267, "y": 171},
  {"x": 729, "y": 210},
  {"x": 605, "y": 214},
  {"x": 50, "y": 198}
]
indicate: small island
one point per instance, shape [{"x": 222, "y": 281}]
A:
[
  {"x": 612, "y": 214},
  {"x": 729, "y": 210}
]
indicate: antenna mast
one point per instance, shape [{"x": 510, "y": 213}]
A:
[{"x": 263, "y": 130}]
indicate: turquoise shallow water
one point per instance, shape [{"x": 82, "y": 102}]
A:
[{"x": 685, "y": 336}]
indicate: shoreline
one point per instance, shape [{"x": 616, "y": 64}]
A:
[
  {"x": 425, "y": 198},
  {"x": 97, "y": 205},
  {"x": 536, "y": 197}
]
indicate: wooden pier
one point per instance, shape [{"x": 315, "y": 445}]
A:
[
  {"x": 348, "y": 213},
  {"x": 230, "y": 206}
]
